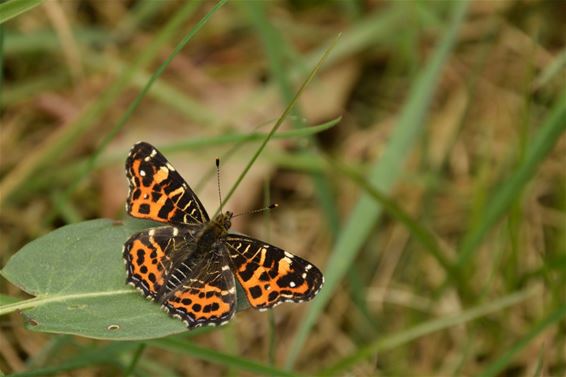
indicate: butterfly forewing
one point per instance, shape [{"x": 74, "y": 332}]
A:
[
  {"x": 157, "y": 191},
  {"x": 270, "y": 275}
]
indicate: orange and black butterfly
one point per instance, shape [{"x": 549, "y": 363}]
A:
[{"x": 190, "y": 265}]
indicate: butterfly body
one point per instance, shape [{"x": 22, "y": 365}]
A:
[{"x": 191, "y": 264}]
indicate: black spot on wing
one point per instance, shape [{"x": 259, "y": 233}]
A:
[{"x": 255, "y": 291}]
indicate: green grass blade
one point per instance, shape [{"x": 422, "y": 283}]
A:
[
  {"x": 279, "y": 122},
  {"x": 495, "y": 368},
  {"x": 542, "y": 144},
  {"x": 189, "y": 348},
  {"x": 89, "y": 357},
  {"x": 383, "y": 175},
  {"x": 63, "y": 139},
  {"x": 403, "y": 337},
  {"x": 137, "y": 101},
  {"x": 421, "y": 234},
  {"x": 47, "y": 41},
  {"x": 13, "y": 8},
  {"x": 135, "y": 359},
  {"x": 198, "y": 143},
  {"x": 275, "y": 46}
]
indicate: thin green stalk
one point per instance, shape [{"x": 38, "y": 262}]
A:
[
  {"x": 543, "y": 142},
  {"x": 196, "y": 351},
  {"x": 61, "y": 140},
  {"x": 421, "y": 234},
  {"x": 275, "y": 45},
  {"x": 278, "y": 123},
  {"x": 393, "y": 341},
  {"x": 13, "y": 8},
  {"x": 135, "y": 359},
  {"x": 495, "y": 368},
  {"x": 90, "y": 357},
  {"x": 180, "y": 16}
]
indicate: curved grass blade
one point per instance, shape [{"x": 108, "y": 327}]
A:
[
  {"x": 275, "y": 47},
  {"x": 193, "y": 350},
  {"x": 137, "y": 101},
  {"x": 542, "y": 144},
  {"x": 393, "y": 341},
  {"x": 426, "y": 238},
  {"x": 91, "y": 357},
  {"x": 198, "y": 143},
  {"x": 69, "y": 172},
  {"x": 383, "y": 175},
  {"x": 61, "y": 140},
  {"x": 495, "y": 368},
  {"x": 279, "y": 122},
  {"x": 14, "y": 8}
]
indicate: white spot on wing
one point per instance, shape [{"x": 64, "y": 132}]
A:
[{"x": 142, "y": 173}]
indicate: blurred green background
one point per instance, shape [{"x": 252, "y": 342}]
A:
[{"x": 435, "y": 207}]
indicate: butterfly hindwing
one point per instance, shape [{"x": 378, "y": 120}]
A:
[
  {"x": 149, "y": 256},
  {"x": 207, "y": 297},
  {"x": 270, "y": 275},
  {"x": 157, "y": 191}
]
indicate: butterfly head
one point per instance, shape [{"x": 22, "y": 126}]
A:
[{"x": 224, "y": 220}]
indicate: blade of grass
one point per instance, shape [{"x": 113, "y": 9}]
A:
[
  {"x": 495, "y": 368},
  {"x": 383, "y": 175},
  {"x": 61, "y": 140},
  {"x": 193, "y": 350},
  {"x": 13, "y": 8},
  {"x": 135, "y": 359},
  {"x": 196, "y": 143},
  {"x": 421, "y": 234},
  {"x": 274, "y": 45},
  {"x": 137, "y": 101},
  {"x": 90, "y": 357},
  {"x": 393, "y": 341},
  {"x": 70, "y": 171},
  {"x": 161, "y": 91},
  {"x": 279, "y": 122},
  {"x": 542, "y": 144},
  {"x": 46, "y": 41}
]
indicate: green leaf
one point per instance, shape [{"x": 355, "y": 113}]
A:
[
  {"x": 78, "y": 277},
  {"x": 11, "y": 9}
]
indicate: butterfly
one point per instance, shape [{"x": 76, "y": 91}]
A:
[{"x": 190, "y": 265}]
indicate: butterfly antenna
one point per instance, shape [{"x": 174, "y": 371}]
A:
[
  {"x": 271, "y": 206},
  {"x": 218, "y": 182}
]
